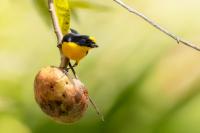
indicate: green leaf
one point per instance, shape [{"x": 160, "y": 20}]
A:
[
  {"x": 77, "y": 4},
  {"x": 63, "y": 14},
  {"x": 42, "y": 7}
]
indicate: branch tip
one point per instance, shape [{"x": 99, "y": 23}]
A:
[{"x": 137, "y": 13}]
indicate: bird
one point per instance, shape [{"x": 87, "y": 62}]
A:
[{"x": 75, "y": 46}]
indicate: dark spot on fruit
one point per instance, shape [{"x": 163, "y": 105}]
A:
[
  {"x": 77, "y": 97},
  {"x": 50, "y": 106},
  {"x": 51, "y": 86},
  {"x": 64, "y": 95},
  {"x": 69, "y": 107},
  {"x": 58, "y": 103},
  {"x": 63, "y": 112}
]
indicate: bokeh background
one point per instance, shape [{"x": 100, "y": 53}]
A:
[{"x": 141, "y": 79}]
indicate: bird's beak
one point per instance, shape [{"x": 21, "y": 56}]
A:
[{"x": 94, "y": 46}]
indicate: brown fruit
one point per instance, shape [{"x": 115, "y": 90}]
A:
[{"x": 58, "y": 97}]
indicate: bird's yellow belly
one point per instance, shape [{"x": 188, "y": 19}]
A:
[{"x": 73, "y": 51}]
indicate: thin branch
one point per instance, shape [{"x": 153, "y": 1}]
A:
[
  {"x": 55, "y": 21},
  {"x": 96, "y": 109},
  {"x": 179, "y": 40},
  {"x": 64, "y": 60}
]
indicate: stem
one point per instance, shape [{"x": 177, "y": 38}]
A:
[
  {"x": 96, "y": 109},
  {"x": 179, "y": 40},
  {"x": 64, "y": 60}
]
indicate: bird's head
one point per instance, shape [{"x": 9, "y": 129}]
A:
[{"x": 81, "y": 40}]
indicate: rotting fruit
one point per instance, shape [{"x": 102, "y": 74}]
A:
[{"x": 63, "y": 99}]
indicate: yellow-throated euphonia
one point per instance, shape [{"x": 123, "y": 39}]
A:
[{"x": 76, "y": 46}]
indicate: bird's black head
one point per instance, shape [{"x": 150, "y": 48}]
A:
[{"x": 82, "y": 40}]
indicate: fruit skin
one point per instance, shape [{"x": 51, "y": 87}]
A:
[{"x": 58, "y": 97}]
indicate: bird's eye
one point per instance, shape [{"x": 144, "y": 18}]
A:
[
  {"x": 88, "y": 41},
  {"x": 82, "y": 41}
]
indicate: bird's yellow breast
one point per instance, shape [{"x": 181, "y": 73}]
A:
[{"x": 74, "y": 51}]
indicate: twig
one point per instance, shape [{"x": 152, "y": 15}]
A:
[
  {"x": 179, "y": 40},
  {"x": 55, "y": 21},
  {"x": 64, "y": 60},
  {"x": 96, "y": 109}
]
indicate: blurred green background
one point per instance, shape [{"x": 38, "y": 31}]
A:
[{"x": 141, "y": 79}]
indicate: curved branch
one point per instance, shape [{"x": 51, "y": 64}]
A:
[
  {"x": 179, "y": 40},
  {"x": 64, "y": 60},
  {"x": 55, "y": 21}
]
